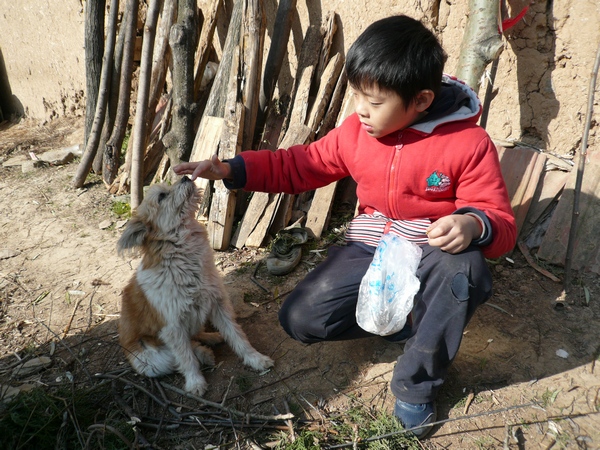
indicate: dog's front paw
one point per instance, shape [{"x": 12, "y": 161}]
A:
[
  {"x": 195, "y": 385},
  {"x": 259, "y": 362}
]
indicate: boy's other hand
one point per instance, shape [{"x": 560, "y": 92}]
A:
[
  {"x": 211, "y": 169},
  {"x": 454, "y": 233}
]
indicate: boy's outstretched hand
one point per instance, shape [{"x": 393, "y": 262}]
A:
[
  {"x": 454, "y": 233},
  {"x": 211, "y": 169}
]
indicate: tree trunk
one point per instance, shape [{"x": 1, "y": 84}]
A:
[
  {"x": 112, "y": 151},
  {"x": 107, "y": 62},
  {"x": 482, "y": 41},
  {"x": 140, "y": 125},
  {"x": 94, "y": 48}
]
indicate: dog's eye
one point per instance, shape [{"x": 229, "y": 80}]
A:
[{"x": 162, "y": 196}]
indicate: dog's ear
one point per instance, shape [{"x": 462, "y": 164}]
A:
[{"x": 133, "y": 236}]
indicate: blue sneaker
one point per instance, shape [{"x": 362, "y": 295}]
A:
[{"x": 412, "y": 415}]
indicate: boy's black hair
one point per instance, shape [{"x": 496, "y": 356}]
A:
[{"x": 397, "y": 53}]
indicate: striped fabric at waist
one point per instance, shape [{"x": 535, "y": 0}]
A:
[{"x": 368, "y": 229}]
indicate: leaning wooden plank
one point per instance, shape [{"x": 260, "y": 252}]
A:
[
  {"x": 319, "y": 213},
  {"x": 552, "y": 183},
  {"x": 302, "y": 97},
  {"x": 259, "y": 213},
  {"x": 327, "y": 84},
  {"x": 256, "y": 208},
  {"x": 259, "y": 200},
  {"x": 301, "y": 89},
  {"x": 277, "y": 51},
  {"x": 521, "y": 168},
  {"x": 209, "y": 135},
  {"x": 222, "y": 206},
  {"x": 317, "y": 218},
  {"x": 215, "y": 106},
  {"x": 335, "y": 107},
  {"x": 328, "y": 30},
  {"x": 252, "y": 43},
  {"x": 299, "y": 134},
  {"x": 586, "y": 251},
  {"x": 257, "y": 236}
]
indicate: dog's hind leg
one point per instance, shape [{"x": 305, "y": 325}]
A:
[
  {"x": 204, "y": 354},
  {"x": 180, "y": 345},
  {"x": 223, "y": 318},
  {"x": 208, "y": 338},
  {"x": 152, "y": 361}
]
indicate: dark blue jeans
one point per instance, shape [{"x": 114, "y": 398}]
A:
[{"x": 323, "y": 307}]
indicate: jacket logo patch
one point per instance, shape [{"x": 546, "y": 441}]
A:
[{"x": 437, "y": 182}]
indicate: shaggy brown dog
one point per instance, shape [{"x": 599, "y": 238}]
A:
[{"x": 175, "y": 291}]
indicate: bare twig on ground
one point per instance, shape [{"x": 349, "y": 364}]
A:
[
  {"x": 223, "y": 408},
  {"x": 532, "y": 263}
]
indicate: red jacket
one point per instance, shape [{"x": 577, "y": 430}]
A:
[{"x": 428, "y": 170}]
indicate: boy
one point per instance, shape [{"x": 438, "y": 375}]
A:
[{"x": 424, "y": 170}]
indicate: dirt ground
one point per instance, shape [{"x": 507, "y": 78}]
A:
[{"x": 531, "y": 368}]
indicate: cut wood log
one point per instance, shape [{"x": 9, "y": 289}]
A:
[
  {"x": 204, "y": 44},
  {"x": 156, "y": 147},
  {"x": 161, "y": 57},
  {"x": 182, "y": 39},
  {"x": 261, "y": 228},
  {"x": 209, "y": 134},
  {"x": 113, "y": 96},
  {"x": 140, "y": 126},
  {"x": 112, "y": 151},
  {"x": 94, "y": 49}
]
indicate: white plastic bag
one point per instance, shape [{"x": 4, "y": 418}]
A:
[{"x": 388, "y": 288}]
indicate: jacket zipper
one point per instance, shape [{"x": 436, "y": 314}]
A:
[{"x": 394, "y": 173}]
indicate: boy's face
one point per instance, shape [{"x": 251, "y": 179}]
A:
[{"x": 382, "y": 112}]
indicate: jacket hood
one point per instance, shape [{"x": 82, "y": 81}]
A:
[{"x": 455, "y": 102}]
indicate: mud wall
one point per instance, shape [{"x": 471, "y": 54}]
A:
[{"x": 539, "y": 95}]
